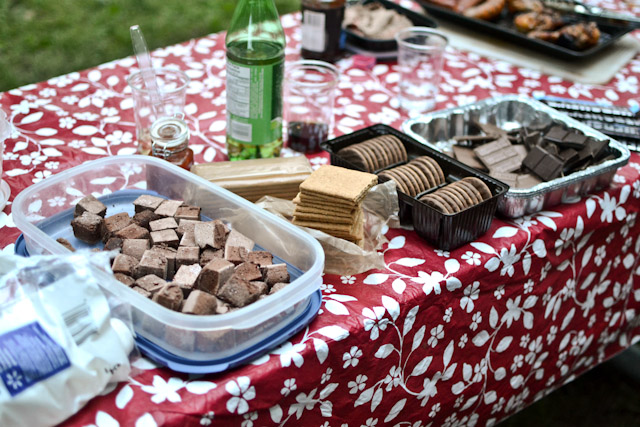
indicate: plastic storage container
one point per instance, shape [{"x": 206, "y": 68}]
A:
[
  {"x": 184, "y": 342},
  {"x": 445, "y": 231}
]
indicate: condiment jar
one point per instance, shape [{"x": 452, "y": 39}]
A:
[
  {"x": 170, "y": 141},
  {"x": 322, "y": 29}
]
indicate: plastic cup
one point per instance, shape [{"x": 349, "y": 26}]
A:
[
  {"x": 5, "y": 132},
  {"x": 309, "y": 97},
  {"x": 420, "y": 58},
  {"x": 172, "y": 85}
]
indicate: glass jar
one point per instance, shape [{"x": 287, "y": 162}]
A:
[
  {"x": 170, "y": 141},
  {"x": 322, "y": 29}
]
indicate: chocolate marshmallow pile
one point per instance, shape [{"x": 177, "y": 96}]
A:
[
  {"x": 527, "y": 156},
  {"x": 169, "y": 255}
]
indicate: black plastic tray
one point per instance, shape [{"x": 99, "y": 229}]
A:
[
  {"x": 503, "y": 27},
  {"x": 446, "y": 231},
  {"x": 375, "y": 45}
]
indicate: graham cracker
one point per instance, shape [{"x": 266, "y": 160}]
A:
[
  {"x": 324, "y": 205},
  {"x": 341, "y": 184},
  {"x": 306, "y": 210},
  {"x": 349, "y": 229},
  {"x": 330, "y": 219}
]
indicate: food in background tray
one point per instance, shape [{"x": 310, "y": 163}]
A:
[
  {"x": 376, "y": 153},
  {"x": 417, "y": 176},
  {"x": 184, "y": 264},
  {"x": 330, "y": 201},
  {"x": 528, "y": 156},
  {"x": 374, "y": 21}
]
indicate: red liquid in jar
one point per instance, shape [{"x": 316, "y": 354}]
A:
[{"x": 307, "y": 136}]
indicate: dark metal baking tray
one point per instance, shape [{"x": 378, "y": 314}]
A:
[
  {"x": 503, "y": 27},
  {"x": 375, "y": 45}
]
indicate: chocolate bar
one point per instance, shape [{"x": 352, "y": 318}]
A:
[{"x": 544, "y": 164}]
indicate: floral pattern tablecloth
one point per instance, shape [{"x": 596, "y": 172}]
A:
[{"x": 457, "y": 338}]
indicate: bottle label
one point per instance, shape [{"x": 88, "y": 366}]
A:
[
  {"x": 313, "y": 31},
  {"x": 29, "y": 355},
  {"x": 254, "y": 104}
]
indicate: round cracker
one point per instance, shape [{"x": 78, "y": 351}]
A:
[
  {"x": 470, "y": 190},
  {"x": 460, "y": 201},
  {"x": 415, "y": 178},
  {"x": 372, "y": 156},
  {"x": 436, "y": 172},
  {"x": 455, "y": 205},
  {"x": 437, "y": 203},
  {"x": 482, "y": 188},
  {"x": 407, "y": 180},
  {"x": 367, "y": 156},
  {"x": 397, "y": 143},
  {"x": 437, "y": 167},
  {"x": 387, "y": 143},
  {"x": 383, "y": 157},
  {"x": 399, "y": 184},
  {"x": 432, "y": 181},
  {"x": 353, "y": 156},
  {"x": 462, "y": 195},
  {"x": 420, "y": 176}
]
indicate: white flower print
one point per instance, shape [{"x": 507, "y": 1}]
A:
[
  {"x": 545, "y": 270},
  {"x": 206, "y": 418},
  {"x": 479, "y": 371},
  {"x": 109, "y": 111},
  {"x": 34, "y": 158},
  {"x": 551, "y": 336},
  {"x": 348, "y": 280},
  {"x": 352, "y": 358},
  {"x": 430, "y": 282},
  {"x": 374, "y": 321},
  {"x": 393, "y": 378},
  {"x": 290, "y": 353},
  {"x": 627, "y": 83},
  {"x": 86, "y": 116},
  {"x": 535, "y": 347},
  {"x": 528, "y": 286},
  {"x": 242, "y": 391},
  {"x": 518, "y": 361},
  {"x": 303, "y": 401},
  {"x": 23, "y": 108},
  {"x": 476, "y": 319},
  {"x": 66, "y": 122},
  {"x": 463, "y": 340},
  {"x": 434, "y": 410},
  {"x": 601, "y": 253},
  {"x": 507, "y": 257},
  {"x": 592, "y": 321},
  {"x": 458, "y": 401},
  {"x": 627, "y": 244},
  {"x": 76, "y": 143},
  {"x": 497, "y": 407},
  {"x": 326, "y": 376},
  {"x": 52, "y": 165},
  {"x": 164, "y": 390},
  {"x": 14, "y": 380},
  {"x": 371, "y": 422},
  {"x": 442, "y": 253},
  {"x": 610, "y": 206},
  {"x": 327, "y": 288},
  {"x": 40, "y": 175},
  {"x": 70, "y": 99},
  {"x": 57, "y": 201},
  {"x": 566, "y": 237},
  {"x": 471, "y": 293},
  {"x": 119, "y": 137},
  {"x": 249, "y": 419},
  {"x": 47, "y": 92},
  {"x": 636, "y": 189},
  {"x": 499, "y": 292},
  {"x": 437, "y": 333},
  {"x": 631, "y": 222},
  {"x": 513, "y": 311},
  {"x": 358, "y": 385},
  {"x": 289, "y": 386},
  {"x": 524, "y": 340},
  {"x": 471, "y": 258},
  {"x": 610, "y": 237},
  {"x": 447, "y": 314}
]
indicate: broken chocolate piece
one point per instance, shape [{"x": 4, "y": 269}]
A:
[
  {"x": 275, "y": 273},
  {"x": 189, "y": 239},
  {"x": 115, "y": 223},
  {"x": 186, "y": 225},
  {"x": 556, "y": 134},
  {"x": 499, "y": 156},
  {"x": 527, "y": 181},
  {"x": 144, "y": 217},
  {"x": 187, "y": 255},
  {"x": 235, "y": 254},
  {"x": 163, "y": 224},
  {"x": 468, "y": 157},
  {"x": 573, "y": 140},
  {"x": 208, "y": 254},
  {"x": 134, "y": 247},
  {"x": 188, "y": 212},
  {"x": 87, "y": 227},
  {"x": 147, "y": 202},
  {"x": 186, "y": 277},
  {"x": 90, "y": 204},
  {"x": 261, "y": 258},
  {"x": 124, "y": 278},
  {"x": 213, "y": 274},
  {"x": 238, "y": 292},
  {"x": 114, "y": 243},
  {"x": 151, "y": 263},
  {"x": 203, "y": 232},
  {"x": 168, "y": 207},
  {"x": 543, "y": 164},
  {"x": 166, "y": 237},
  {"x": 170, "y": 296},
  {"x": 201, "y": 303},
  {"x": 133, "y": 231},
  {"x": 170, "y": 254},
  {"x": 64, "y": 242},
  {"x": 248, "y": 271}
]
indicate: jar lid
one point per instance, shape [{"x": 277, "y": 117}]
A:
[{"x": 169, "y": 132}]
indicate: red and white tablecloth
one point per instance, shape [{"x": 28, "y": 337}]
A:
[{"x": 457, "y": 338}]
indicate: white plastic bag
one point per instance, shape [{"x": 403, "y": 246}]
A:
[{"x": 59, "y": 344}]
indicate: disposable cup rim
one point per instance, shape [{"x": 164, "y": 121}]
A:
[
  {"x": 316, "y": 65},
  {"x": 161, "y": 70},
  {"x": 421, "y": 30}
]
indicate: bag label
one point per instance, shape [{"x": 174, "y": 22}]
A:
[{"x": 29, "y": 355}]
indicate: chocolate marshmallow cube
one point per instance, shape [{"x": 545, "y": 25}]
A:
[
  {"x": 114, "y": 243},
  {"x": 168, "y": 207},
  {"x": 261, "y": 258},
  {"x": 124, "y": 264},
  {"x": 186, "y": 277},
  {"x": 87, "y": 227},
  {"x": 170, "y": 254},
  {"x": 208, "y": 254},
  {"x": 187, "y": 255},
  {"x": 169, "y": 296},
  {"x": 147, "y": 202},
  {"x": 237, "y": 247},
  {"x": 143, "y": 218},
  {"x": 214, "y": 274},
  {"x": 90, "y": 204},
  {"x": 168, "y": 223},
  {"x": 275, "y": 273},
  {"x": 186, "y": 225},
  {"x": 188, "y": 212},
  {"x": 113, "y": 224},
  {"x": 200, "y": 302},
  {"x": 132, "y": 231},
  {"x": 276, "y": 287},
  {"x": 203, "y": 233},
  {"x": 141, "y": 291},
  {"x": 238, "y": 292},
  {"x": 123, "y": 278},
  {"x": 150, "y": 283},
  {"x": 151, "y": 263},
  {"x": 248, "y": 271},
  {"x": 188, "y": 239},
  {"x": 134, "y": 247},
  {"x": 165, "y": 237}
]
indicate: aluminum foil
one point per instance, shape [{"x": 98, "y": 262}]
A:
[{"x": 511, "y": 112}]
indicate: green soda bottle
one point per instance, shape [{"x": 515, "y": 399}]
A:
[{"x": 255, "y": 63}]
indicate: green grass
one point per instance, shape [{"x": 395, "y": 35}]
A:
[{"x": 40, "y": 39}]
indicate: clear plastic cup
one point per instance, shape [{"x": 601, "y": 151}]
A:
[
  {"x": 420, "y": 59},
  {"x": 5, "y": 132},
  {"x": 309, "y": 98},
  {"x": 173, "y": 90}
]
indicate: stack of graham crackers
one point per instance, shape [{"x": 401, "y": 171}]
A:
[{"x": 330, "y": 201}]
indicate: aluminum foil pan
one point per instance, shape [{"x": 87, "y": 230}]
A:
[{"x": 510, "y": 112}]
